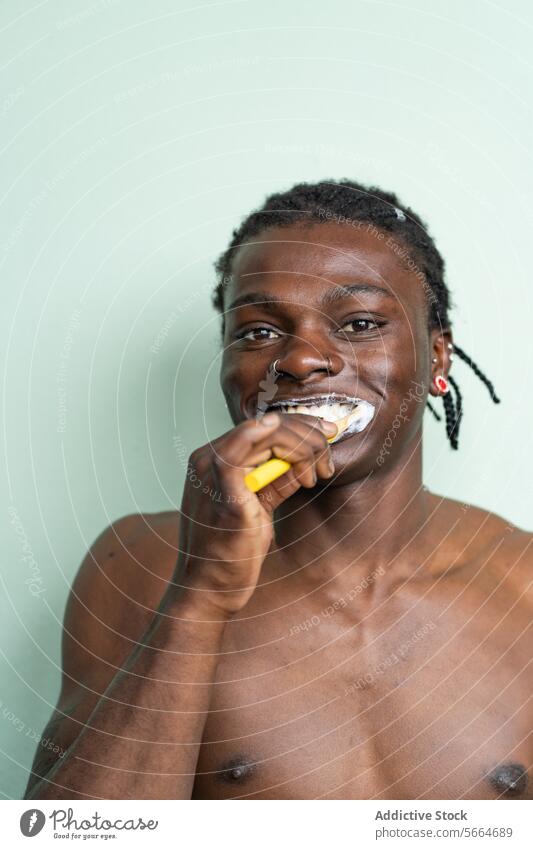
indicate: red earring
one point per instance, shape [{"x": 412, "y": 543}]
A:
[{"x": 440, "y": 383}]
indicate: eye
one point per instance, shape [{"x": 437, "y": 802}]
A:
[
  {"x": 258, "y": 334},
  {"x": 359, "y": 325}
]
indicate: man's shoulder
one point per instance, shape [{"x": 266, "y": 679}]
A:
[
  {"x": 144, "y": 526},
  {"x": 514, "y": 556},
  {"x": 116, "y": 591},
  {"x": 130, "y": 562},
  {"x": 139, "y": 529},
  {"x": 146, "y": 543},
  {"x": 495, "y": 542},
  {"x": 480, "y": 520}
]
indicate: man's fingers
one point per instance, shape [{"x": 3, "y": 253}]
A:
[{"x": 298, "y": 439}]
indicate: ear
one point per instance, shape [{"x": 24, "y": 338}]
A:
[{"x": 441, "y": 356}]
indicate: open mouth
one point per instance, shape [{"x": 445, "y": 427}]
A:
[{"x": 332, "y": 408}]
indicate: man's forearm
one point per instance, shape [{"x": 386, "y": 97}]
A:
[{"x": 142, "y": 738}]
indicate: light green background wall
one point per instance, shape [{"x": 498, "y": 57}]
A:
[{"x": 135, "y": 135}]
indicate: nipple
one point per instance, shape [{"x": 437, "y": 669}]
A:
[
  {"x": 509, "y": 779},
  {"x": 236, "y": 770}
]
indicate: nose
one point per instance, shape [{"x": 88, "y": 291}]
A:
[{"x": 301, "y": 359}]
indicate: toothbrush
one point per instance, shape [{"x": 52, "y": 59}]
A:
[{"x": 272, "y": 469}]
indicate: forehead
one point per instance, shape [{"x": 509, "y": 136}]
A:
[{"x": 301, "y": 260}]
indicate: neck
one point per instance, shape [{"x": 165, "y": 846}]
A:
[{"x": 378, "y": 521}]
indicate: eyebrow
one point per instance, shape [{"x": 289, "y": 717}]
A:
[{"x": 335, "y": 294}]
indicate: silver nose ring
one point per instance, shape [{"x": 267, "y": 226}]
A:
[
  {"x": 273, "y": 366},
  {"x": 275, "y": 372}
]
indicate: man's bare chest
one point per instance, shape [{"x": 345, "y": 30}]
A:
[{"x": 412, "y": 702}]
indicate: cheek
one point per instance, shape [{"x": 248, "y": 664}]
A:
[
  {"x": 398, "y": 371},
  {"x": 402, "y": 413},
  {"x": 238, "y": 381},
  {"x": 400, "y": 360},
  {"x": 389, "y": 369},
  {"x": 231, "y": 386},
  {"x": 230, "y": 370}
]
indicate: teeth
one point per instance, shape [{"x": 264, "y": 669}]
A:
[
  {"x": 358, "y": 420},
  {"x": 330, "y": 412},
  {"x": 360, "y": 412}
]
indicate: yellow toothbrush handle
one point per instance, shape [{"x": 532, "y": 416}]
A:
[
  {"x": 266, "y": 473},
  {"x": 274, "y": 468}
]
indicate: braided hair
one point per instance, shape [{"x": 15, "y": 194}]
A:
[{"x": 348, "y": 202}]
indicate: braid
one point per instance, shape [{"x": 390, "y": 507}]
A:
[
  {"x": 451, "y": 419},
  {"x": 434, "y": 413},
  {"x": 350, "y": 203},
  {"x": 458, "y": 408},
  {"x": 477, "y": 371}
]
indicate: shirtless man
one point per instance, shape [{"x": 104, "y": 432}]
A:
[{"x": 344, "y": 633}]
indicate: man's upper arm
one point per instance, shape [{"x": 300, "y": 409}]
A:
[{"x": 112, "y": 601}]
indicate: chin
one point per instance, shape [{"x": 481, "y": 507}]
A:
[{"x": 352, "y": 465}]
